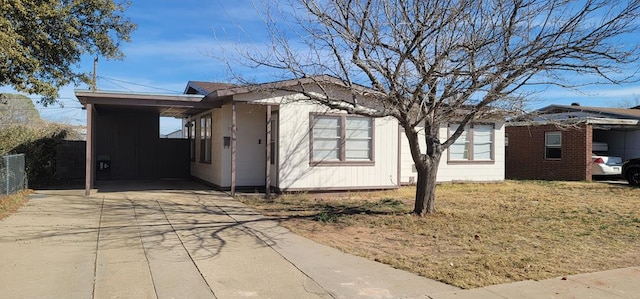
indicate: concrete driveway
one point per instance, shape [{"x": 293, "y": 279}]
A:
[{"x": 176, "y": 240}]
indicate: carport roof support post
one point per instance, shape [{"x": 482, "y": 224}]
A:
[
  {"x": 89, "y": 157},
  {"x": 267, "y": 183},
  {"x": 233, "y": 147}
]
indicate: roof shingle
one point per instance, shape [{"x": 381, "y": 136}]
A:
[
  {"x": 205, "y": 88},
  {"x": 609, "y": 112}
]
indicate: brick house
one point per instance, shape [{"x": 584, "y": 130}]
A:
[{"x": 556, "y": 142}]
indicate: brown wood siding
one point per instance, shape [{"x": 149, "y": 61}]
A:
[
  {"x": 131, "y": 140},
  {"x": 173, "y": 158}
]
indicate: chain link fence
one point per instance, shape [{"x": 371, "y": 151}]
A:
[{"x": 13, "y": 176}]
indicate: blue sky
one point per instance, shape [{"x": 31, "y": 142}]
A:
[{"x": 176, "y": 41}]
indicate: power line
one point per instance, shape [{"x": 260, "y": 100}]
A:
[
  {"x": 116, "y": 84},
  {"x": 137, "y": 84}
]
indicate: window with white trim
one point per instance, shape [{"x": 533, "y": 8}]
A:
[
  {"x": 553, "y": 145},
  {"x": 476, "y": 143},
  {"x": 341, "y": 139}
]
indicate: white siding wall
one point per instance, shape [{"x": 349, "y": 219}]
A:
[
  {"x": 250, "y": 154},
  {"x": 209, "y": 172},
  {"x": 453, "y": 172},
  {"x": 217, "y": 150},
  {"x": 296, "y": 173}
]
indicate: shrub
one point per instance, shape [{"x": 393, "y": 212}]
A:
[{"x": 38, "y": 143}]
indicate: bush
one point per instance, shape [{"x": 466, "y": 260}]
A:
[{"x": 39, "y": 146}]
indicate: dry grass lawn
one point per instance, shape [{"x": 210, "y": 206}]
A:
[{"x": 482, "y": 234}]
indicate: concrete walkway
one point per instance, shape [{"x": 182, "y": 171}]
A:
[{"x": 190, "y": 242}]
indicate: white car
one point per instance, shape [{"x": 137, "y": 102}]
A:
[{"x": 606, "y": 165}]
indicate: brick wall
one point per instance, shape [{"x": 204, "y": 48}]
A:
[{"x": 525, "y": 157}]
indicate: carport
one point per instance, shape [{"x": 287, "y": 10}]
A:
[
  {"x": 123, "y": 135},
  {"x": 622, "y": 138}
]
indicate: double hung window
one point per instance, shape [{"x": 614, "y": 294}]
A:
[
  {"x": 205, "y": 138},
  {"x": 341, "y": 139},
  {"x": 476, "y": 143},
  {"x": 552, "y": 145}
]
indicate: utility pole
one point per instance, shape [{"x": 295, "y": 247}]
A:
[{"x": 95, "y": 74}]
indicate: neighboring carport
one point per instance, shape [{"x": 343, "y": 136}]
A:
[
  {"x": 123, "y": 135},
  {"x": 622, "y": 138}
]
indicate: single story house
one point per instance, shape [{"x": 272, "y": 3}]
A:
[
  {"x": 263, "y": 135},
  {"x": 556, "y": 142}
]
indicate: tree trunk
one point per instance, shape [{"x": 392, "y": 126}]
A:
[
  {"x": 426, "y": 166},
  {"x": 426, "y": 186}
]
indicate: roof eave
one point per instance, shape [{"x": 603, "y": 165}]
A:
[
  {"x": 167, "y": 105},
  {"x": 588, "y": 120}
]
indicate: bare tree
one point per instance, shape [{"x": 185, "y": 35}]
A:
[
  {"x": 634, "y": 101},
  {"x": 433, "y": 62}
]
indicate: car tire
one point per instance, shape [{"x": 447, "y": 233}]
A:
[{"x": 633, "y": 176}]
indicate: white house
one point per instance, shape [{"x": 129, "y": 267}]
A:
[
  {"x": 314, "y": 148},
  {"x": 310, "y": 147},
  {"x": 263, "y": 135}
]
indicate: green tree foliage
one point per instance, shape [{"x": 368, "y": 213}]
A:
[
  {"x": 42, "y": 41},
  {"x": 17, "y": 109}
]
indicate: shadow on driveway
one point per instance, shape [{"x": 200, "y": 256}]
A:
[{"x": 176, "y": 239}]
